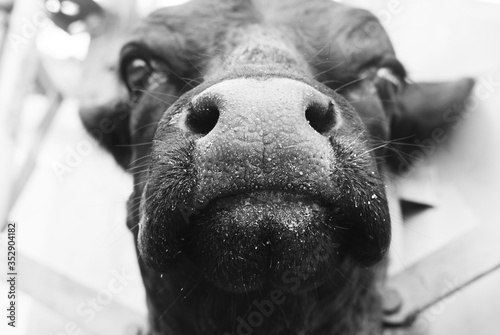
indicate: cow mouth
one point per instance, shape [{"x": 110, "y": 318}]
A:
[
  {"x": 243, "y": 238},
  {"x": 241, "y": 242}
]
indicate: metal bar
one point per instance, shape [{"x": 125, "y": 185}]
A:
[
  {"x": 64, "y": 295},
  {"x": 18, "y": 53},
  {"x": 30, "y": 162},
  {"x": 458, "y": 264}
]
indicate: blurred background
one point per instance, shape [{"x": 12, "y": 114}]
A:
[{"x": 77, "y": 265}]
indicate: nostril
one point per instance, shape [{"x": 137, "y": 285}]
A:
[
  {"x": 203, "y": 115},
  {"x": 321, "y": 118}
]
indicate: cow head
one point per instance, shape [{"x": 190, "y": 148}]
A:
[{"x": 257, "y": 133}]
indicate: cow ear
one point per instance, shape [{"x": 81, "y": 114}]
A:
[
  {"x": 424, "y": 114},
  {"x": 109, "y": 124}
]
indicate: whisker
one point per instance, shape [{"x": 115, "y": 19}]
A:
[
  {"x": 350, "y": 83},
  {"x": 133, "y": 145}
]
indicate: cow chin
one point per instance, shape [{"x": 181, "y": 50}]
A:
[{"x": 246, "y": 241}]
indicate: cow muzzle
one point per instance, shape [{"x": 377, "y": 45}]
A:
[{"x": 259, "y": 180}]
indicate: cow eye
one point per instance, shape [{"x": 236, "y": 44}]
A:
[
  {"x": 141, "y": 74},
  {"x": 387, "y": 77}
]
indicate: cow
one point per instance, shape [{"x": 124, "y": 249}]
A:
[{"x": 258, "y": 134}]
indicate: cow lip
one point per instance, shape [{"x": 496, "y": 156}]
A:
[
  {"x": 227, "y": 237},
  {"x": 276, "y": 196}
]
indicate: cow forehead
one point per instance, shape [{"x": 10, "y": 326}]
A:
[{"x": 336, "y": 40}]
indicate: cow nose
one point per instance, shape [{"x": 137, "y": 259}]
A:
[
  {"x": 262, "y": 134},
  {"x": 260, "y": 102},
  {"x": 204, "y": 115}
]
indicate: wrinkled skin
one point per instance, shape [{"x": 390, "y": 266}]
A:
[{"x": 255, "y": 133}]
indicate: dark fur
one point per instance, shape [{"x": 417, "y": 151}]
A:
[{"x": 204, "y": 268}]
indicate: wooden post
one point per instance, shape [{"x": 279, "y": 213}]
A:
[{"x": 17, "y": 72}]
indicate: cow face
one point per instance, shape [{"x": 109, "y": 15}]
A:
[
  {"x": 260, "y": 170},
  {"x": 253, "y": 132}
]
